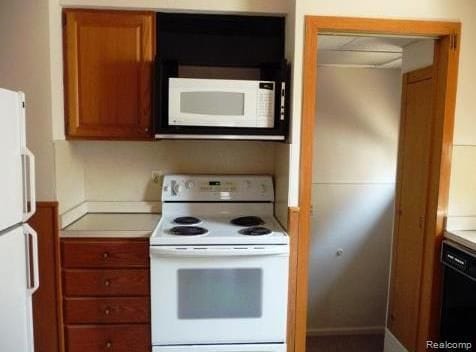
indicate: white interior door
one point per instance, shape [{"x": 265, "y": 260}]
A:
[
  {"x": 15, "y": 294},
  {"x": 11, "y": 186}
]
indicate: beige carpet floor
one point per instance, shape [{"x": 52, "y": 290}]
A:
[{"x": 345, "y": 343}]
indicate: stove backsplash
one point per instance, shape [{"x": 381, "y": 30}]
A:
[{"x": 121, "y": 171}]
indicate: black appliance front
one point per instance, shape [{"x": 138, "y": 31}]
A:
[{"x": 458, "y": 315}]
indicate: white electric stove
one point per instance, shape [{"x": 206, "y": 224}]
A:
[{"x": 219, "y": 266}]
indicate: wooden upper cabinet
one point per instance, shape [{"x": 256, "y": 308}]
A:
[{"x": 108, "y": 73}]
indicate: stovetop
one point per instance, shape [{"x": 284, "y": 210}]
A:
[
  {"x": 219, "y": 230},
  {"x": 217, "y": 210}
]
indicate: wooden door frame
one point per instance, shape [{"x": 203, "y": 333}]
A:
[{"x": 446, "y": 65}]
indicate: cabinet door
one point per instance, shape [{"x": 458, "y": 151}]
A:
[{"x": 108, "y": 73}]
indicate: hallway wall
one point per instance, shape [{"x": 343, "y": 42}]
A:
[{"x": 354, "y": 172}]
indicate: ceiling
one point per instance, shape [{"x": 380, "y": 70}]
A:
[{"x": 366, "y": 51}]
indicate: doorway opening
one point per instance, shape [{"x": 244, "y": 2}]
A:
[
  {"x": 359, "y": 86},
  {"x": 444, "y": 79}
]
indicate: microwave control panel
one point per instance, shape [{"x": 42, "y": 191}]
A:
[
  {"x": 209, "y": 188},
  {"x": 265, "y": 105}
]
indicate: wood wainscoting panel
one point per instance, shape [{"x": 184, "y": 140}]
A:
[{"x": 47, "y": 312}]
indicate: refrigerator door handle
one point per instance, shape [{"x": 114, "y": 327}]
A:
[
  {"x": 33, "y": 282},
  {"x": 29, "y": 192}
]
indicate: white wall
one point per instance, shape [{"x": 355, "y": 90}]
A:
[
  {"x": 121, "y": 171},
  {"x": 354, "y": 170},
  {"x": 24, "y": 65},
  {"x": 419, "y": 54},
  {"x": 70, "y": 185},
  {"x": 465, "y": 129}
]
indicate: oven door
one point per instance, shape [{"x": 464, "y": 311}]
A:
[{"x": 219, "y": 295}]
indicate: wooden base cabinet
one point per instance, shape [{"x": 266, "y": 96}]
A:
[
  {"x": 106, "y": 295},
  {"x": 104, "y": 338}
]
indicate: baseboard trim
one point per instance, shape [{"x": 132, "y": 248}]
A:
[{"x": 365, "y": 330}]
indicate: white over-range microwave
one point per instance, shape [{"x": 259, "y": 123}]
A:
[{"x": 224, "y": 109}]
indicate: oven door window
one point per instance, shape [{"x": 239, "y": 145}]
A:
[{"x": 220, "y": 293}]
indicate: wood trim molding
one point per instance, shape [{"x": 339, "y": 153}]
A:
[
  {"x": 446, "y": 60},
  {"x": 448, "y": 34},
  {"x": 47, "y": 305},
  {"x": 382, "y": 26},
  {"x": 293, "y": 232}
]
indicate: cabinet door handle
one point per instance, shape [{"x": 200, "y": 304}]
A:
[
  {"x": 105, "y": 255},
  {"x": 107, "y": 283},
  {"x": 107, "y": 311},
  {"x": 108, "y": 344}
]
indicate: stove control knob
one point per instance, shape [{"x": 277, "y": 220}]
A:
[
  {"x": 177, "y": 188},
  {"x": 189, "y": 184}
]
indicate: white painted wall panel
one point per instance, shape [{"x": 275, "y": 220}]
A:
[
  {"x": 349, "y": 291},
  {"x": 354, "y": 167},
  {"x": 25, "y": 66},
  {"x": 121, "y": 171},
  {"x": 462, "y": 200},
  {"x": 418, "y": 55},
  {"x": 356, "y": 132},
  {"x": 70, "y": 186}
]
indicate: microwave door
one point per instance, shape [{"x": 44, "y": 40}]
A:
[
  {"x": 212, "y": 103},
  {"x": 211, "y": 109}
]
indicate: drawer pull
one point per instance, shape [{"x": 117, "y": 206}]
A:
[
  {"x": 107, "y": 311},
  {"x": 108, "y": 344},
  {"x": 107, "y": 283},
  {"x": 105, "y": 255}
]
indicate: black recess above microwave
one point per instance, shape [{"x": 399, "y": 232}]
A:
[{"x": 222, "y": 46}]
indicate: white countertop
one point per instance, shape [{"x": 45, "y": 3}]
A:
[
  {"x": 466, "y": 238},
  {"x": 112, "y": 225}
]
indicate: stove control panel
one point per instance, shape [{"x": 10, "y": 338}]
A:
[{"x": 217, "y": 188}]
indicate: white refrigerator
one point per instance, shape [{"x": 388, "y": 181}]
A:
[{"x": 18, "y": 241}]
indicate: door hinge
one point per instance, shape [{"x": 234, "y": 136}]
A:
[
  {"x": 421, "y": 222},
  {"x": 454, "y": 41}
]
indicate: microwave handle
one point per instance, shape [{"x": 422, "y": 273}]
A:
[
  {"x": 282, "y": 100},
  {"x": 166, "y": 251}
]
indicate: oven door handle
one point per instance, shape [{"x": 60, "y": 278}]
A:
[{"x": 166, "y": 251}]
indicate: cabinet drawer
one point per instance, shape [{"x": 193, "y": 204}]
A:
[
  {"x": 107, "y": 282},
  {"x": 105, "y": 254},
  {"x": 121, "y": 338},
  {"x": 107, "y": 310}
]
